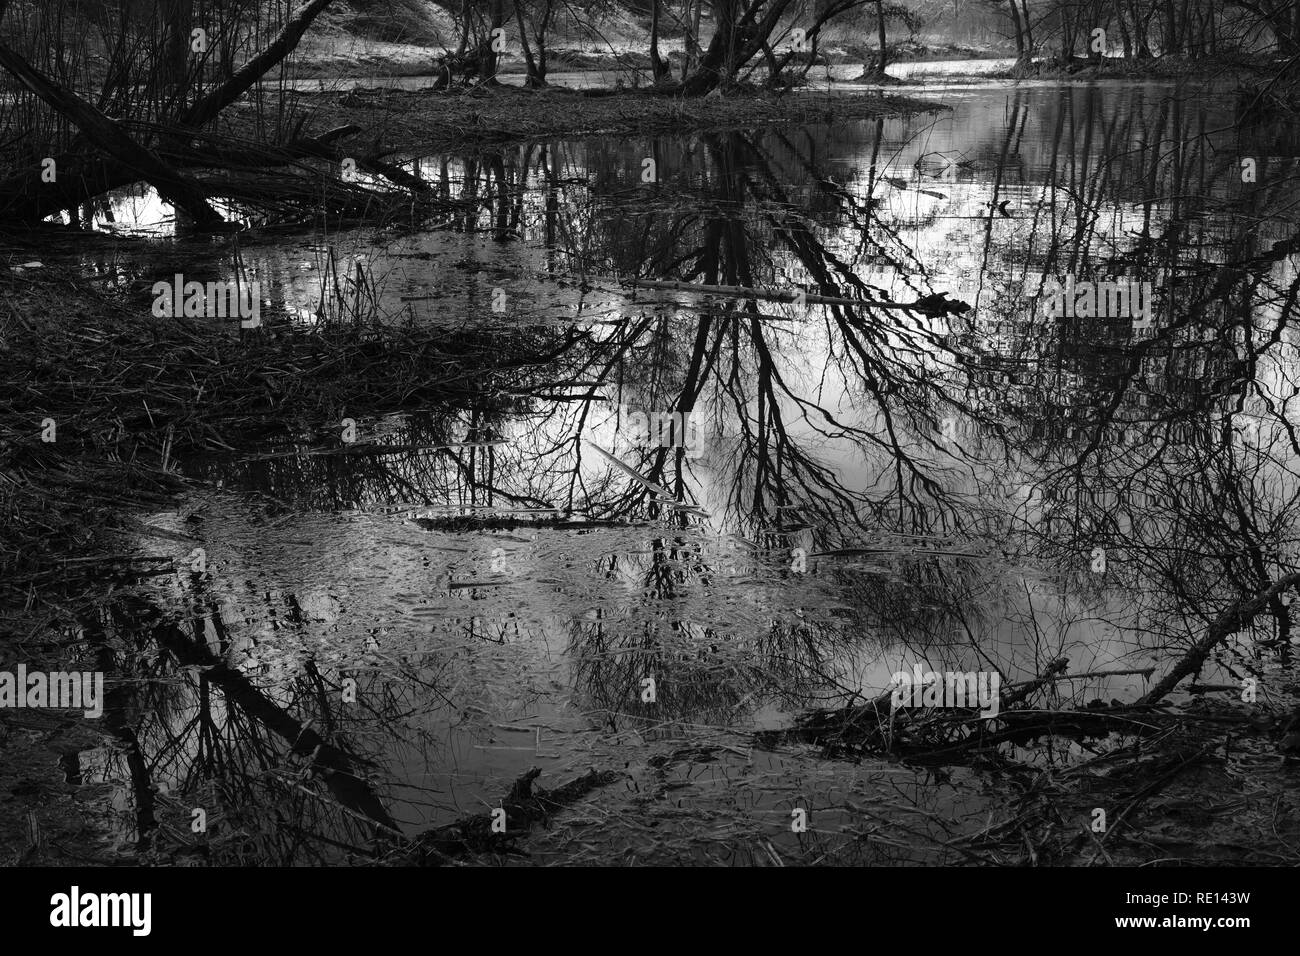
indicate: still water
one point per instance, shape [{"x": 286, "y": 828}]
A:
[{"x": 485, "y": 584}]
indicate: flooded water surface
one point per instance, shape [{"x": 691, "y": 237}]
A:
[{"x": 658, "y": 530}]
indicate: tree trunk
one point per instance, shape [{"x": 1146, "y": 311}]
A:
[
  {"x": 1140, "y": 22},
  {"x": 252, "y": 71},
  {"x": 1020, "y": 32},
  {"x": 176, "y": 189},
  {"x": 177, "y": 17},
  {"x": 724, "y": 13},
  {"x": 25, "y": 197},
  {"x": 1170, "y": 44},
  {"x": 1094, "y": 17},
  {"x": 1125, "y": 36},
  {"x": 487, "y": 72},
  {"x": 540, "y": 37},
  {"x": 737, "y": 40},
  {"x": 1067, "y": 38},
  {"x": 694, "y": 52},
  {"x": 658, "y": 66},
  {"x": 880, "y": 37},
  {"x": 536, "y": 78},
  {"x": 463, "y": 46},
  {"x": 773, "y": 66}
]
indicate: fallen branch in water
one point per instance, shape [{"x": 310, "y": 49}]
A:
[
  {"x": 123, "y": 160},
  {"x": 1180, "y": 763},
  {"x": 936, "y": 304},
  {"x": 1049, "y": 674},
  {"x": 954, "y": 734},
  {"x": 1232, "y": 620},
  {"x": 180, "y": 191},
  {"x": 523, "y": 808},
  {"x": 122, "y": 420}
]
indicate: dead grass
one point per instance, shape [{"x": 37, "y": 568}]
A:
[
  {"x": 408, "y": 120},
  {"x": 128, "y": 394}
]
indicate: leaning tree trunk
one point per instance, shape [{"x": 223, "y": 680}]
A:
[
  {"x": 179, "y": 190},
  {"x": 24, "y": 196}
]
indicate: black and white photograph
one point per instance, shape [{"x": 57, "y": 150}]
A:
[{"x": 629, "y": 434}]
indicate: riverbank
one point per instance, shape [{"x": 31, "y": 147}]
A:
[
  {"x": 426, "y": 119},
  {"x": 372, "y": 58},
  {"x": 102, "y": 402},
  {"x": 1209, "y": 69}
]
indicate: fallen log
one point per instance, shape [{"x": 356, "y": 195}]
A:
[
  {"x": 1022, "y": 691},
  {"x": 879, "y": 725},
  {"x": 26, "y": 198},
  {"x": 317, "y": 147},
  {"x": 937, "y": 304},
  {"x": 1023, "y": 727},
  {"x": 523, "y": 808},
  {"x": 1232, "y": 620},
  {"x": 81, "y": 177},
  {"x": 257, "y": 156},
  {"x": 104, "y": 133},
  {"x": 467, "y": 524}
]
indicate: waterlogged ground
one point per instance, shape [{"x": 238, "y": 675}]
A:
[{"x": 447, "y": 598}]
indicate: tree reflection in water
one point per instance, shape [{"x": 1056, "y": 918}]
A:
[{"x": 878, "y": 487}]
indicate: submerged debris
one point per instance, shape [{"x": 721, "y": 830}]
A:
[{"x": 498, "y": 831}]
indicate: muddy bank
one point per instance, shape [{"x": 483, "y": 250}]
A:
[
  {"x": 102, "y": 401},
  {"x": 407, "y": 119}
]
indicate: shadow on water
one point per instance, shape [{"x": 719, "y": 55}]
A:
[{"x": 392, "y": 626}]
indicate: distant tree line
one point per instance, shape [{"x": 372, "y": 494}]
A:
[
  {"x": 722, "y": 40},
  {"x": 1143, "y": 29}
]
